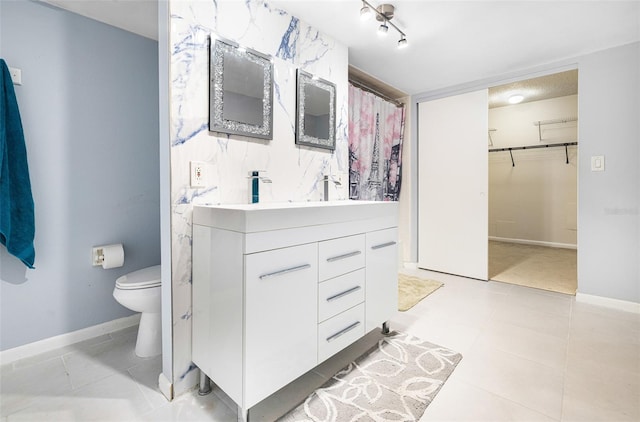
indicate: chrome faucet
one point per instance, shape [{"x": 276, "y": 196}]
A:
[
  {"x": 254, "y": 179},
  {"x": 326, "y": 181}
]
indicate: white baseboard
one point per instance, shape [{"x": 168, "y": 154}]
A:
[
  {"x": 411, "y": 265},
  {"x": 621, "y": 305},
  {"x": 67, "y": 339},
  {"x": 534, "y": 242},
  {"x": 165, "y": 386}
]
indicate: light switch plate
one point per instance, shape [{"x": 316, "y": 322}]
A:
[
  {"x": 597, "y": 163},
  {"x": 16, "y": 75}
]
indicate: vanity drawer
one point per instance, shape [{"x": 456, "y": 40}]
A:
[
  {"x": 340, "y": 293},
  {"x": 340, "y": 256},
  {"x": 340, "y": 331}
]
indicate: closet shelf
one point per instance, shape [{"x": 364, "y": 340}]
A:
[
  {"x": 555, "y": 121},
  {"x": 510, "y": 149},
  {"x": 541, "y": 123},
  {"x": 491, "y": 139}
]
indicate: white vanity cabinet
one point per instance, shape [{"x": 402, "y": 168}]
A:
[
  {"x": 281, "y": 291},
  {"x": 382, "y": 296},
  {"x": 279, "y": 288}
]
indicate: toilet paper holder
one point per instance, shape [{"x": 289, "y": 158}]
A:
[{"x": 98, "y": 255}]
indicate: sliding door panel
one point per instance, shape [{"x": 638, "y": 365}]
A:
[{"x": 453, "y": 185}]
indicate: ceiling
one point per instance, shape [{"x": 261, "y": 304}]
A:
[
  {"x": 450, "y": 42},
  {"x": 544, "y": 87},
  {"x": 455, "y": 42},
  {"x": 137, "y": 16}
]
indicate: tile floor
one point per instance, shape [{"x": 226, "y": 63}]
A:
[{"x": 529, "y": 355}]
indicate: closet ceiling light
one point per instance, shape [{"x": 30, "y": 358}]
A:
[
  {"x": 384, "y": 13},
  {"x": 515, "y": 99}
]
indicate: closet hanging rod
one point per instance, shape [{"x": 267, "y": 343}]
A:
[{"x": 564, "y": 144}]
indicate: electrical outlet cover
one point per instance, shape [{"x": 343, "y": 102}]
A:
[{"x": 198, "y": 174}]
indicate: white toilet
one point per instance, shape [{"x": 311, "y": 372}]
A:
[{"x": 140, "y": 292}]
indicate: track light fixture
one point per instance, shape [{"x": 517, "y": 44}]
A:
[{"x": 384, "y": 14}]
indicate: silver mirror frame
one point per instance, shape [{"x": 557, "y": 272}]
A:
[
  {"x": 304, "y": 78},
  {"x": 217, "y": 123}
]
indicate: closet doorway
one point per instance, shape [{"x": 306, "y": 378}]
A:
[{"x": 533, "y": 150}]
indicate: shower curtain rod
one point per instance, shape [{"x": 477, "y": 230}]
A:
[{"x": 374, "y": 92}]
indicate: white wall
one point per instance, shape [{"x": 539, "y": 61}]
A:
[
  {"x": 296, "y": 171},
  {"x": 407, "y": 194},
  {"x": 537, "y": 199},
  {"x": 89, "y": 108}
]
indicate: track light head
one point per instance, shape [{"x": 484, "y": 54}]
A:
[
  {"x": 383, "y": 29},
  {"x": 402, "y": 42},
  {"x": 365, "y": 12}
]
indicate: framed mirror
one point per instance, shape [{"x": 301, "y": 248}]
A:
[
  {"x": 240, "y": 90},
  {"x": 315, "y": 112}
]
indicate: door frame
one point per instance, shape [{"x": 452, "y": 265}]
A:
[{"x": 463, "y": 88}]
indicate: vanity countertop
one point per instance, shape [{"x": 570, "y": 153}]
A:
[{"x": 250, "y": 218}]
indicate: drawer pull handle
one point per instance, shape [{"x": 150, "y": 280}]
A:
[
  {"x": 346, "y": 292},
  {"x": 285, "y": 271},
  {"x": 343, "y": 256},
  {"x": 383, "y": 245},
  {"x": 343, "y": 331}
]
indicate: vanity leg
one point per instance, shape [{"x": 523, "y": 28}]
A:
[
  {"x": 243, "y": 414},
  {"x": 385, "y": 328},
  {"x": 205, "y": 384}
]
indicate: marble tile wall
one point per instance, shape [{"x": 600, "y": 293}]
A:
[{"x": 296, "y": 171}]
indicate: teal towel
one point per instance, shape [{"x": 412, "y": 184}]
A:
[{"x": 17, "y": 223}]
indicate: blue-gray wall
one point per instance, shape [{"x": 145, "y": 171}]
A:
[
  {"x": 609, "y": 201},
  {"x": 89, "y": 106}
]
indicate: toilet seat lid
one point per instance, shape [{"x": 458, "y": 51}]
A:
[{"x": 141, "y": 279}]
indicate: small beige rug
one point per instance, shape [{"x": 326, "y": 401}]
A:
[
  {"x": 539, "y": 267},
  {"x": 394, "y": 381},
  {"x": 412, "y": 290}
]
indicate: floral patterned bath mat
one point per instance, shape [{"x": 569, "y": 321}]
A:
[{"x": 394, "y": 381}]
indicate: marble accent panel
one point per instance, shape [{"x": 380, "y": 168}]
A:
[{"x": 296, "y": 171}]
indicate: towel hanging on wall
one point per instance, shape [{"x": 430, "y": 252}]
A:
[{"x": 17, "y": 222}]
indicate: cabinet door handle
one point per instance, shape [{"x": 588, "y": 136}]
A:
[
  {"x": 346, "y": 292},
  {"x": 343, "y": 256},
  {"x": 383, "y": 245},
  {"x": 343, "y": 331},
  {"x": 285, "y": 271}
]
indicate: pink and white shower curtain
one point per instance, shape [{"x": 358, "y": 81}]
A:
[{"x": 376, "y": 129}]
